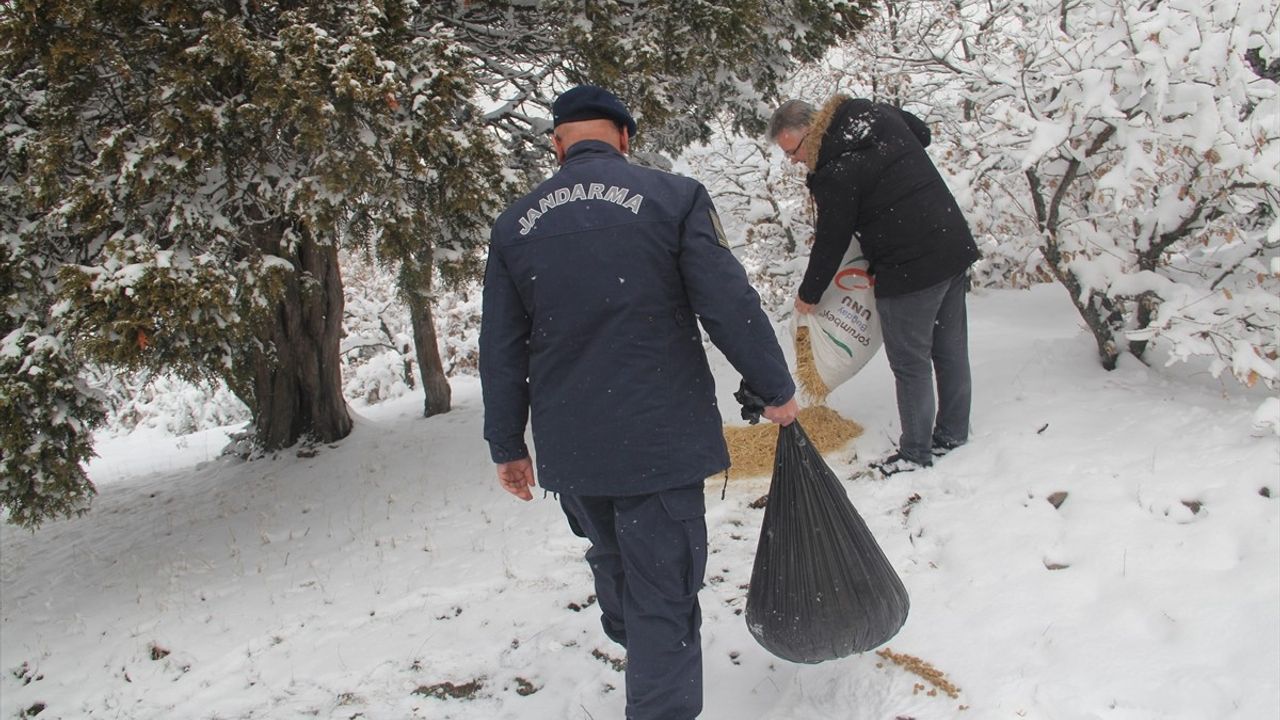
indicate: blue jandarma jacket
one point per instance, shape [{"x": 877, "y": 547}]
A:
[{"x": 593, "y": 291}]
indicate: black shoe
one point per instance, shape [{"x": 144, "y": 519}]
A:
[
  {"x": 896, "y": 463},
  {"x": 941, "y": 448}
]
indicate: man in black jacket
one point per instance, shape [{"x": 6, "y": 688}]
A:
[
  {"x": 594, "y": 290},
  {"x": 870, "y": 176}
]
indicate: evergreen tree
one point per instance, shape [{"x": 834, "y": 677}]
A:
[{"x": 177, "y": 179}]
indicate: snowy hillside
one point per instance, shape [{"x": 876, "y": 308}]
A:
[{"x": 389, "y": 577}]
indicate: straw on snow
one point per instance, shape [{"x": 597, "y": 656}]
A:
[{"x": 751, "y": 447}]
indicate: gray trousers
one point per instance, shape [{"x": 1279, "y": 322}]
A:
[{"x": 926, "y": 333}]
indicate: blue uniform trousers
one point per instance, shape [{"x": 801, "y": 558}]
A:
[{"x": 648, "y": 555}]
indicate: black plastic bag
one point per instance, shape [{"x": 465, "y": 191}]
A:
[{"x": 821, "y": 588}]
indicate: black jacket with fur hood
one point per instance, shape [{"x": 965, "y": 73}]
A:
[{"x": 871, "y": 176}]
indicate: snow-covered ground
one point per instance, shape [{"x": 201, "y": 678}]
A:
[{"x": 357, "y": 583}]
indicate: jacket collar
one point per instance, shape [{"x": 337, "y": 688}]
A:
[
  {"x": 591, "y": 148},
  {"x": 818, "y": 127}
]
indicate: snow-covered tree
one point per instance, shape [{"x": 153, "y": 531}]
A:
[
  {"x": 166, "y": 403},
  {"x": 763, "y": 205},
  {"x": 46, "y": 412},
  {"x": 1135, "y": 144},
  {"x": 379, "y": 360}
]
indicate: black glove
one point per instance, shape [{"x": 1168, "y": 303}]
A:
[{"x": 752, "y": 404}]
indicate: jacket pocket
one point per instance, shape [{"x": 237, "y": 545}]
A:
[{"x": 686, "y": 503}]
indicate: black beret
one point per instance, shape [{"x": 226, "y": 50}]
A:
[{"x": 588, "y": 102}]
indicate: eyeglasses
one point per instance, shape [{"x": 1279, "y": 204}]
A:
[{"x": 792, "y": 152}]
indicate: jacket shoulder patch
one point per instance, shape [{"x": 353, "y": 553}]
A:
[{"x": 720, "y": 236}]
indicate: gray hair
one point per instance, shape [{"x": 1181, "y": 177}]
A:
[{"x": 791, "y": 115}]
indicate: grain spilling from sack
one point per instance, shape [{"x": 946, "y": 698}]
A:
[
  {"x": 811, "y": 384},
  {"x": 751, "y": 447}
]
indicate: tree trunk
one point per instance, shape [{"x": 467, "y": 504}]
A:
[
  {"x": 1097, "y": 310},
  {"x": 298, "y": 379},
  {"x": 1148, "y": 305},
  {"x": 415, "y": 281}
]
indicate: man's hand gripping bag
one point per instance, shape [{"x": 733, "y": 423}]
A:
[{"x": 821, "y": 588}]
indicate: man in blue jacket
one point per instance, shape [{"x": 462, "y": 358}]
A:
[
  {"x": 594, "y": 290},
  {"x": 870, "y": 176}
]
